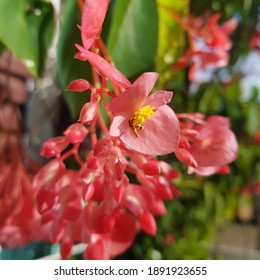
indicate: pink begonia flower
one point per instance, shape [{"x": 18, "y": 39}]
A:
[
  {"x": 210, "y": 149},
  {"x": 145, "y": 123},
  {"x": 214, "y": 145}
]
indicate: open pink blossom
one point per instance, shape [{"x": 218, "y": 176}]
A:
[{"x": 144, "y": 122}]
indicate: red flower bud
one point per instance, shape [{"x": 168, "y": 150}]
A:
[
  {"x": 54, "y": 147},
  {"x": 148, "y": 223},
  {"x": 88, "y": 112},
  {"x": 65, "y": 248},
  {"x": 76, "y": 133},
  {"x": 186, "y": 157},
  {"x": 151, "y": 167},
  {"x": 78, "y": 85},
  {"x": 96, "y": 251}
]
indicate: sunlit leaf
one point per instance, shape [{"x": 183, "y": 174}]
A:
[
  {"x": 171, "y": 38},
  {"x": 26, "y": 28},
  {"x": 132, "y": 39}
]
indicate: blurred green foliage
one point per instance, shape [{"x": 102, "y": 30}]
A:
[{"x": 26, "y": 28}]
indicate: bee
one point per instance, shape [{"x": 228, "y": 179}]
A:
[{"x": 135, "y": 127}]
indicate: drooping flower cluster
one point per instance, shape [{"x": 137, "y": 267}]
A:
[
  {"x": 209, "y": 44},
  {"x": 119, "y": 185},
  {"x": 97, "y": 204},
  {"x": 20, "y": 222}
]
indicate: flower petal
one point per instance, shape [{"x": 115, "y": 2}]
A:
[
  {"x": 186, "y": 157},
  {"x": 229, "y": 26},
  {"x": 204, "y": 171},
  {"x": 122, "y": 235},
  {"x": 159, "y": 98},
  {"x": 104, "y": 68},
  {"x": 160, "y": 134},
  {"x": 93, "y": 15},
  {"x": 134, "y": 97},
  {"x": 118, "y": 125},
  {"x": 148, "y": 223},
  {"x": 217, "y": 145}
]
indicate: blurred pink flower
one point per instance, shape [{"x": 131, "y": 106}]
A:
[
  {"x": 20, "y": 222},
  {"x": 97, "y": 204},
  {"x": 254, "y": 42},
  {"x": 210, "y": 144},
  {"x": 209, "y": 44}
]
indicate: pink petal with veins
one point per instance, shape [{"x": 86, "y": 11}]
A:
[
  {"x": 158, "y": 99},
  {"x": 104, "y": 68},
  {"x": 214, "y": 146},
  {"x": 134, "y": 97},
  {"x": 160, "y": 134}
]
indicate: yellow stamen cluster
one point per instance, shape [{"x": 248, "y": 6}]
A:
[{"x": 139, "y": 117}]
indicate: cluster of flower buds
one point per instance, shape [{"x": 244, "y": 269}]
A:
[
  {"x": 20, "y": 221},
  {"x": 120, "y": 185}
]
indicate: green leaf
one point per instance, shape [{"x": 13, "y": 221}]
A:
[
  {"x": 2, "y": 47},
  {"x": 132, "y": 39},
  {"x": 171, "y": 38},
  {"x": 252, "y": 118},
  {"x": 68, "y": 68},
  {"x": 14, "y": 30},
  {"x": 40, "y": 21},
  {"x": 25, "y": 29},
  {"x": 211, "y": 102}
]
